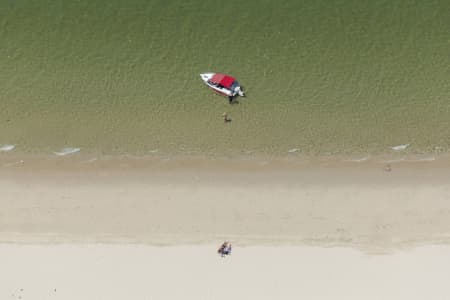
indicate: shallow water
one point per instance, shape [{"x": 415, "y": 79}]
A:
[{"x": 119, "y": 77}]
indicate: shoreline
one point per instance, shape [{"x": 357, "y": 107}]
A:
[{"x": 16, "y": 160}]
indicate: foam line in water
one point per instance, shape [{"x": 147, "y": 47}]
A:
[
  {"x": 293, "y": 150},
  {"x": 400, "y": 147},
  {"x": 6, "y": 148},
  {"x": 14, "y": 163},
  {"x": 422, "y": 159},
  {"x": 67, "y": 151},
  {"x": 358, "y": 160},
  {"x": 391, "y": 161},
  {"x": 90, "y": 160}
]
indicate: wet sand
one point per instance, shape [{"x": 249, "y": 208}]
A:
[{"x": 175, "y": 202}]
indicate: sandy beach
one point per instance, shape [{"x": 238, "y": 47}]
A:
[
  {"x": 116, "y": 272},
  {"x": 148, "y": 229},
  {"x": 177, "y": 202},
  {"x": 121, "y": 172}
]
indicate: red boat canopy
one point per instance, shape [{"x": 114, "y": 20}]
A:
[{"x": 223, "y": 80}]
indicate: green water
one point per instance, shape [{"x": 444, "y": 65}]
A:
[{"x": 113, "y": 76}]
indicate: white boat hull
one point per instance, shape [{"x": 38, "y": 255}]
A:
[{"x": 220, "y": 89}]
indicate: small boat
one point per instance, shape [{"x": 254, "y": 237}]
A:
[{"x": 222, "y": 84}]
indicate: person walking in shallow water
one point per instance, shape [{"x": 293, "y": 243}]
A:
[{"x": 226, "y": 118}]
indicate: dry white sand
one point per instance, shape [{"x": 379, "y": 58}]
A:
[{"x": 106, "y": 272}]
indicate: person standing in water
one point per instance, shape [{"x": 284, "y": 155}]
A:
[{"x": 226, "y": 118}]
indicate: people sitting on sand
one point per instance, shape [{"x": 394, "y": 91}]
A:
[
  {"x": 222, "y": 248},
  {"x": 225, "y": 249}
]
